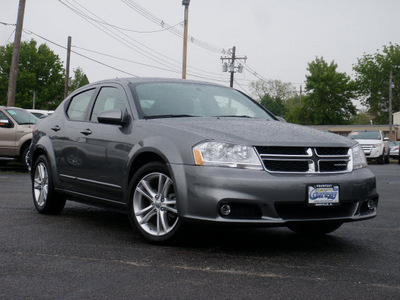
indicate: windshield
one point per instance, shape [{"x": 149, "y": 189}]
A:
[
  {"x": 22, "y": 117},
  {"x": 365, "y": 135},
  {"x": 158, "y": 100}
]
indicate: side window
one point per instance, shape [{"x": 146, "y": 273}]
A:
[
  {"x": 3, "y": 116},
  {"x": 77, "y": 108},
  {"x": 109, "y": 98},
  {"x": 5, "y": 121}
]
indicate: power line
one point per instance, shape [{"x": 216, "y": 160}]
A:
[
  {"x": 117, "y": 36},
  {"x": 176, "y": 32},
  {"x": 77, "y": 53}
]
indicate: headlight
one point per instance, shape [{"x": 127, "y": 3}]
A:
[
  {"x": 359, "y": 160},
  {"x": 226, "y": 155},
  {"x": 376, "y": 145}
]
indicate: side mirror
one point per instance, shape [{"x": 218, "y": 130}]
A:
[
  {"x": 5, "y": 123},
  {"x": 386, "y": 139},
  {"x": 110, "y": 117}
]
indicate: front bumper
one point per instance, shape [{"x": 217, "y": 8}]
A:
[{"x": 258, "y": 197}]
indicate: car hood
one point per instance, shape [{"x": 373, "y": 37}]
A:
[
  {"x": 368, "y": 142},
  {"x": 249, "y": 131}
]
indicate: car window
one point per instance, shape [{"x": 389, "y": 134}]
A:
[
  {"x": 169, "y": 99},
  {"x": 77, "y": 108},
  {"x": 22, "y": 117},
  {"x": 109, "y": 98},
  {"x": 365, "y": 135},
  {"x": 3, "y": 116}
]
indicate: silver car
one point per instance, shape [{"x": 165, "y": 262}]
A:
[
  {"x": 394, "y": 149},
  {"x": 171, "y": 152}
]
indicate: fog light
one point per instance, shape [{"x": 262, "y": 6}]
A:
[
  {"x": 225, "y": 209},
  {"x": 371, "y": 204}
]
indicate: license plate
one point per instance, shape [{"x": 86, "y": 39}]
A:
[{"x": 323, "y": 195}]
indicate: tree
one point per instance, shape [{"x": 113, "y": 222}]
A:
[
  {"x": 80, "y": 79},
  {"x": 274, "y": 105},
  {"x": 274, "y": 88},
  {"x": 39, "y": 71},
  {"x": 372, "y": 77},
  {"x": 329, "y": 95},
  {"x": 362, "y": 119}
]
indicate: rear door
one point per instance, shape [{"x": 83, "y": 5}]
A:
[
  {"x": 104, "y": 147},
  {"x": 65, "y": 134}
]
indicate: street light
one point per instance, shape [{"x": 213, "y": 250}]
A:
[{"x": 185, "y": 33}]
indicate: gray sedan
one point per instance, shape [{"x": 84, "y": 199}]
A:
[{"x": 170, "y": 152}]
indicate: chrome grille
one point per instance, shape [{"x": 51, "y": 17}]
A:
[{"x": 306, "y": 159}]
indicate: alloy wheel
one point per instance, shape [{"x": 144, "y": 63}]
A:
[
  {"x": 154, "y": 204},
  {"x": 41, "y": 184}
]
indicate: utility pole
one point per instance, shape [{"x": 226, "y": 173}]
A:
[
  {"x": 12, "y": 84},
  {"x": 301, "y": 93},
  {"x": 185, "y": 34},
  {"x": 390, "y": 106},
  {"x": 231, "y": 68},
  {"x": 67, "y": 68}
]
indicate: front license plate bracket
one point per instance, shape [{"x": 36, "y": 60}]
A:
[{"x": 323, "y": 195}]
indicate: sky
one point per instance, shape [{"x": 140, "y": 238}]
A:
[{"x": 123, "y": 38}]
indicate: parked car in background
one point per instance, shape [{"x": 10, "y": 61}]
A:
[
  {"x": 40, "y": 113},
  {"x": 394, "y": 149},
  {"x": 374, "y": 144},
  {"x": 170, "y": 152},
  {"x": 16, "y": 126}
]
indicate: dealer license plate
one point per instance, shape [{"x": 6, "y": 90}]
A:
[{"x": 323, "y": 195}]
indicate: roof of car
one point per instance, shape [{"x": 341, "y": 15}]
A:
[{"x": 152, "y": 79}]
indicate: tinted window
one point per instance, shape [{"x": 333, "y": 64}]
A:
[
  {"x": 78, "y": 105},
  {"x": 109, "y": 98}
]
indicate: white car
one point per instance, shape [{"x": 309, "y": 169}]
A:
[
  {"x": 40, "y": 113},
  {"x": 374, "y": 144}
]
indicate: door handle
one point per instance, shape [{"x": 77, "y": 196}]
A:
[
  {"x": 55, "y": 128},
  {"x": 86, "y": 131}
]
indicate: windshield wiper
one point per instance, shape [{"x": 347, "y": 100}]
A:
[
  {"x": 167, "y": 116},
  {"x": 233, "y": 116}
]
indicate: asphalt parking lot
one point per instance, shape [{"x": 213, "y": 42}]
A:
[{"x": 91, "y": 253}]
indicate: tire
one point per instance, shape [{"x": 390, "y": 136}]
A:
[
  {"x": 381, "y": 159},
  {"x": 24, "y": 157},
  {"x": 315, "y": 228},
  {"x": 387, "y": 159},
  {"x": 46, "y": 199},
  {"x": 153, "y": 205}
]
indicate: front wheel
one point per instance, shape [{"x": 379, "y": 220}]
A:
[
  {"x": 381, "y": 159},
  {"x": 24, "y": 157},
  {"x": 153, "y": 204},
  {"x": 314, "y": 228},
  {"x": 45, "y": 198}
]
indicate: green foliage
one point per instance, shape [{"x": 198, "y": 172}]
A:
[
  {"x": 39, "y": 70},
  {"x": 362, "y": 119},
  {"x": 80, "y": 79},
  {"x": 274, "y": 105},
  {"x": 329, "y": 95},
  {"x": 372, "y": 76},
  {"x": 274, "y": 88}
]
